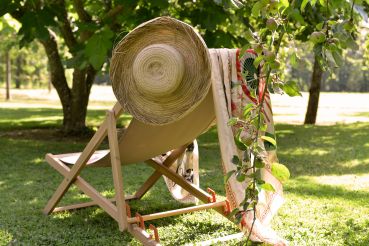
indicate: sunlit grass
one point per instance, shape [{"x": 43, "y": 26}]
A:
[{"x": 326, "y": 199}]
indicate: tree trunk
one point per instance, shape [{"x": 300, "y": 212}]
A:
[
  {"x": 314, "y": 92},
  {"x": 18, "y": 71},
  {"x": 8, "y": 75},
  {"x": 74, "y": 101}
]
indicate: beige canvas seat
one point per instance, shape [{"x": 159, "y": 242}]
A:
[{"x": 141, "y": 141}]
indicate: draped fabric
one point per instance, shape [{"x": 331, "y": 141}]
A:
[
  {"x": 187, "y": 165},
  {"x": 231, "y": 93}
]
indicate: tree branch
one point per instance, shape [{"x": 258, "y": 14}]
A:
[
  {"x": 82, "y": 13},
  {"x": 90, "y": 76},
  {"x": 84, "y": 17},
  {"x": 112, "y": 13},
  {"x": 65, "y": 28}
]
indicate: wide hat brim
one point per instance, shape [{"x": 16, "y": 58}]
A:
[{"x": 193, "y": 82}]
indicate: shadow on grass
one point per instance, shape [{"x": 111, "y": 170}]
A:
[
  {"x": 307, "y": 149},
  {"x": 27, "y": 182},
  {"x": 355, "y": 233},
  {"x": 305, "y": 187},
  {"x": 28, "y": 118}
]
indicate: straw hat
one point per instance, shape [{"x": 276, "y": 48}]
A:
[{"x": 160, "y": 71}]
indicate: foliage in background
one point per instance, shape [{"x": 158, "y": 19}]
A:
[
  {"x": 70, "y": 31},
  {"x": 80, "y": 35}
]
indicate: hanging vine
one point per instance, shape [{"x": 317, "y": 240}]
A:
[{"x": 283, "y": 23}]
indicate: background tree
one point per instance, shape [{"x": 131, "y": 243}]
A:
[
  {"x": 331, "y": 28},
  {"x": 80, "y": 34},
  {"x": 8, "y": 37}
]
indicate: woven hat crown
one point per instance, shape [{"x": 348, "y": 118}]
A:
[{"x": 160, "y": 71}]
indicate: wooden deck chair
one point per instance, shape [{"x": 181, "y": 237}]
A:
[
  {"x": 170, "y": 130},
  {"x": 139, "y": 142}
]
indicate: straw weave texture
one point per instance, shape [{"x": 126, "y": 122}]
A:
[{"x": 160, "y": 71}]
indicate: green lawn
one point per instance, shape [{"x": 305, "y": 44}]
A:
[{"x": 327, "y": 198}]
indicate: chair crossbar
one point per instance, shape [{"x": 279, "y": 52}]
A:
[{"x": 174, "y": 212}]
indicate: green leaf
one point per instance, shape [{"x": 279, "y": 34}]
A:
[
  {"x": 245, "y": 206},
  {"x": 258, "y": 60},
  {"x": 293, "y": 59},
  {"x": 295, "y": 14},
  {"x": 256, "y": 8},
  {"x": 268, "y": 146},
  {"x": 232, "y": 121},
  {"x": 233, "y": 213},
  {"x": 285, "y": 3},
  {"x": 235, "y": 160},
  {"x": 267, "y": 187},
  {"x": 263, "y": 127},
  {"x": 35, "y": 25},
  {"x": 97, "y": 47},
  {"x": 238, "y": 218},
  {"x": 240, "y": 176},
  {"x": 269, "y": 139},
  {"x": 319, "y": 26},
  {"x": 291, "y": 89},
  {"x": 322, "y": 2},
  {"x": 337, "y": 57},
  {"x": 240, "y": 145},
  {"x": 251, "y": 175},
  {"x": 303, "y": 5},
  {"x": 280, "y": 172},
  {"x": 247, "y": 109},
  {"x": 259, "y": 163},
  {"x": 228, "y": 176}
]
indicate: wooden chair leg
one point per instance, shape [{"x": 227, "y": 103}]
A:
[
  {"x": 81, "y": 162},
  {"x": 156, "y": 175},
  {"x": 97, "y": 198},
  {"x": 142, "y": 235},
  {"x": 117, "y": 171},
  {"x": 197, "y": 192}
]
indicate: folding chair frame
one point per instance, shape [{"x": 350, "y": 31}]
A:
[{"x": 120, "y": 210}]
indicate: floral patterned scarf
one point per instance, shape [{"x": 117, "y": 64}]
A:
[{"x": 231, "y": 93}]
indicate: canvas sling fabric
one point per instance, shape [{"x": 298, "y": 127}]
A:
[{"x": 231, "y": 93}]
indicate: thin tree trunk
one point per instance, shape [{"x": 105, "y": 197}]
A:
[
  {"x": 49, "y": 86},
  {"x": 18, "y": 71},
  {"x": 316, "y": 79},
  {"x": 49, "y": 82},
  {"x": 8, "y": 75}
]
